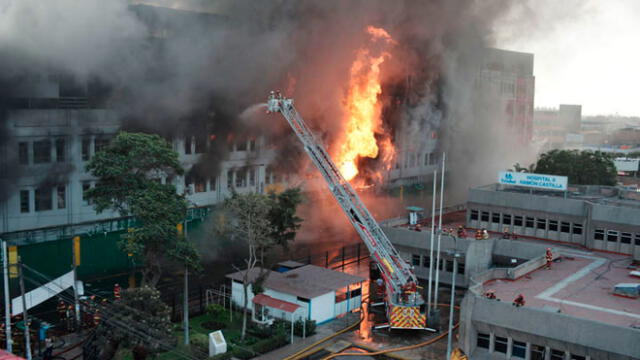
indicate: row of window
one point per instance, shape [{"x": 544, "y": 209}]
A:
[
  {"x": 50, "y": 197},
  {"x": 443, "y": 265},
  {"x": 199, "y": 144},
  {"x": 412, "y": 160},
  {"x": 48, "y": 151},
  {"x": 519, "y": 349},
  {"x": 615, "y": 236},
  {"x": 527, "y": 222}
]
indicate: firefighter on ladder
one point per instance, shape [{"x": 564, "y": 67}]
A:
[
  {"x": 116, "y": 292},
  {"x": 549, "y": 258},
  {"x": 409, "y": 290}
]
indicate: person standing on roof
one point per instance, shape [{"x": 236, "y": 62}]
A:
[
  {"x": 461, "y": 231},
  {"x": 505, "y": 234},
  {"x": 549, "y": 258},
  {"x": 485, "y": 234},
  {"x": 519, "y": 301}
]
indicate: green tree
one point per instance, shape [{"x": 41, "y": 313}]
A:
[
  {"x": 130, "y": 170},
  {"x": 139, "y": 321},
  {"x": 282, "y": 215},
  {"x": 261, "y": 221},
  {"x": 582, "y": 167}
]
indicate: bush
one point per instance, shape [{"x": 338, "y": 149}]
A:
[
  {"x": 216, "y": 310},
  {"x": 265, "y": 345},
  {"x": 310, "y": 327},
  {"x": 226, "y": 356},
  {"x": 242, "y": 353},
  {"x": 200, "y": 342}
]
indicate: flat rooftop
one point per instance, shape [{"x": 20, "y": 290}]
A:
[{"x": 579, "y": 284}]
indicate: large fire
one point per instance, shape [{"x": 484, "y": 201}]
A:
[{"x": 363, "y": 109}]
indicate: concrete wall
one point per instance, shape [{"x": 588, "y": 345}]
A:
[
  {"x": 322, "y": 307},
  {"x": 536, "y": 326}
]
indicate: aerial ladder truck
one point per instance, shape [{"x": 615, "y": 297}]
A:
[{"x": 405, "y": 306}]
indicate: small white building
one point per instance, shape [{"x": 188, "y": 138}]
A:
[{"x": 321, "y": 294}]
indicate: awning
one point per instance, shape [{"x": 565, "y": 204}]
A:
[
  {"x": 273, "y": 303},
  {"x": 8, "y": 356}
]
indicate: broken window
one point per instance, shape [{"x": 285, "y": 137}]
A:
[
  {"x": 43, "y": 199},
  {"x": 252, "y": 177},
  {"x": 41, "y": 151},
  {"x": 230, "y": 179},
  {"x": 25, "y": 201},
  {"x": 86, "y": 149},
  {"x": 101, "y": 144},
  {"x": 60, "y": 150},
  {"x": 212, "y": 183},
  {"x": 62, "y": 199},
  {"x": 200, "y": 185},
  {"x": 85, "y": 187},
  {"x": 23, "y": 153},
  {"x": 241, "y": 178},
  {"x": 201, "y": 144},
  {"x": 252, "y": 145},
  {"x": 241, "y": 146}
]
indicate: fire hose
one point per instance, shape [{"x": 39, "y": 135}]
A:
[{"x": 380, "y": 352}]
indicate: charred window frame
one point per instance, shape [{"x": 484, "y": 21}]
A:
[
  {"x": 61, "y": 150},
  {"x": 86, "y": 185},
  {"x": 212, "y": 183},
  {"x": 187, "y": 145},
  {"x": 230, "y": 174},
  {"x": 23, "y": 153},
  {"x": 86, "y": 149},
  {"x": 241, "y": 146},
  {"x": 44, "y": 199},
  {"x": 241, "y": 178},
  {"x": 61, "y": 199},
  {"x": 42, "y": 151},
  {"x": 200, "y": 144},
  {"x": 474, "y": 215},
  {"x": 100, "y": 144},
  {"x": 252, "y": 177},
  {"x": 25, "y": 201}
]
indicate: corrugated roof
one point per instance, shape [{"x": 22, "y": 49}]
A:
[
  {"x": 274, "y": 303},
  {"x": 308, "y": 281}
]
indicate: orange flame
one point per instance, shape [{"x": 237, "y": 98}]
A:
[{"x": 362, "y": 107}]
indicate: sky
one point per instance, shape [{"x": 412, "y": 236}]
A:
[{"x": 586, "y": 52}]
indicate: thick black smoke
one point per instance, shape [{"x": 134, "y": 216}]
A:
[{"x": 180, "y": 73}]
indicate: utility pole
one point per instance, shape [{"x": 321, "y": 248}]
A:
[
  {"x": 437, "y": 285},
  {"x": 186, "y": 294},
  {"x": 27, "y": 337},
  {"x": 7, "y": 298},
  {"x": 76, "y": 248},
  {"x": 433, "y": 222},
  {"x": 453, "y": 294}
]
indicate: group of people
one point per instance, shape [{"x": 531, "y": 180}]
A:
[
  {"x": 482, "y": 234},
  {"x": 517, "y": 302}
]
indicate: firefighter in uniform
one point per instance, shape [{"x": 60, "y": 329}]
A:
[
  {"x": 490, "y": 294},
  {"x": 116, "y": 291},
  {"x": 97, "y": 317},
  {"x": 62, "y": 311},
  {"x": 70, "y": 314},
  {"x": 519, "y": 301},
  {"x": 3, "y": 336},
  {"x": 549, "y": 258}
]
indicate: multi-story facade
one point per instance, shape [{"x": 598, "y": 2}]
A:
[{"x": 555, "y": 128}]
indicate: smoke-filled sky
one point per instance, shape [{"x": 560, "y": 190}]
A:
[{"x": 586, "y": 52}]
